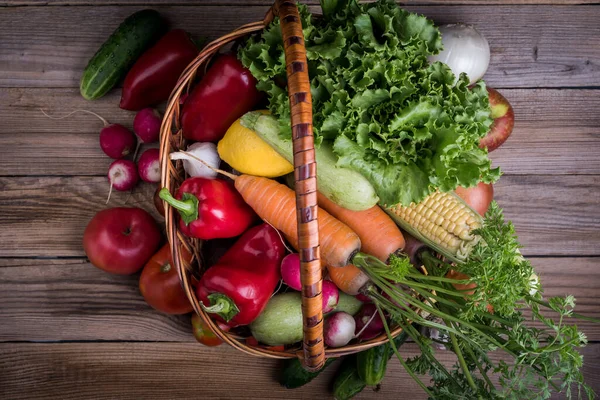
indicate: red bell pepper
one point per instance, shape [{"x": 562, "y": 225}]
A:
[
  {"x": 153, "y": 77},
  {"x": 225, "y": 93},
  {"x": 239, "y": 286},
  {"x": 210, "y": 208}
]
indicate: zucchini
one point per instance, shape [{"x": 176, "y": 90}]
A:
[
  {"x": 117, "y": 55},
  {"x": 348, "y": 304},
  {"x": 347, "y": 382},
  {"x": 343, "y": 186},
  {"x": 372, "y": 363},
  {"x": 295, "y": 375},
  {"x": 281, "y": 320}
]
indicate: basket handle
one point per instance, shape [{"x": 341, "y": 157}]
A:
[{"x": 305, "y": 171}]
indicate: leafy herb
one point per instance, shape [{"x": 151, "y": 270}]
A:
[
  {"x": 541, "y": 359},
  {"x": 398, "y": 120}
]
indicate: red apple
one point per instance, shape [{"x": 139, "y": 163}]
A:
[
  {"x": 504, "y": 120},
  {"x": 121, "y": 240},
  {"x": 478, "y": 197}
]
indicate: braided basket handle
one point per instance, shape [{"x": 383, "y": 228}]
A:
[{"x": 305, "y": 171}]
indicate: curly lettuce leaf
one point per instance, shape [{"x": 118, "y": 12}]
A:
[{"x": 392, "y": 116}]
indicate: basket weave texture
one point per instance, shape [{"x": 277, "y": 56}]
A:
[{"x": 313, "y": 353}]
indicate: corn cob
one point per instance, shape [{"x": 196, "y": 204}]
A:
[{"x": 442, "y": 221}]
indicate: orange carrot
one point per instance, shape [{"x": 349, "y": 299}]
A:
[
  {"x": 379, "y": 235},
  {"x": 276, "y": 204},
  {"x": 349, "y": 279}
]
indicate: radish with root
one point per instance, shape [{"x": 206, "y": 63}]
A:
[
  {"x": 149, "y": 166},
  {"x": 368, "y": 322},
  {"x": 339, "y": 329},
  {"x": 122, "y": 175},
  {"x": 331, "y": 295},
  {"x": 116, "y": 141}
]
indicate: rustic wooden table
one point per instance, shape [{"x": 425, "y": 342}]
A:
[{"x": 71, "y": 331}]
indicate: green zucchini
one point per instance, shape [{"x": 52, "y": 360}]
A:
[
  {"x": 295, "y": 375},
  {"x": 117, "y": 55},
  {"x": 343, "y": 186},
  {"x": 348, "y": 304},
  {"x": 281, "y": 320},
  {"x": 347, "y": 382},
  {"x": 372, "y": 363}
]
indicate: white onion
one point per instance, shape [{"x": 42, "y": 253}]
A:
[
  {"x": 465, "y": 50},
  {"x": 206, "y": 152}
]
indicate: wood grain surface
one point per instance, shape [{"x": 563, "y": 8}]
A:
[
  {"x": 531, "y": 46},
  {"x": 184, "y": 371},
  {"x": 46, "y": 216},
  {"x": 71, "y": 331},
  {"x": 545, "y": 120},
  {"x": 58, "y": 300}
]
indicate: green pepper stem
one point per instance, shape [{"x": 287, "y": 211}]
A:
[
  {"x": 222, "y": 305},
  {"x": 187, "y": 207}
]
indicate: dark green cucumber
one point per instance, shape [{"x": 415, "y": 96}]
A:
[
  {"x": 372, "y": 363},
  {"x": 117, "y": 55},
  {"x": 294, "y": 375},
  {"x": 347, "y": 382}
]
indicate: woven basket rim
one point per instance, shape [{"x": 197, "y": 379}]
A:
[{"x": 172, "y": 174}]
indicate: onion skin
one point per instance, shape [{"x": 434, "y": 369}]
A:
[{"x": 465, "y": 50}]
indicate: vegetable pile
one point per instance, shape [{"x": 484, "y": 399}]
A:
[
  {"x": 409, "y": 234},
  {"x": 391, "y": 115}
]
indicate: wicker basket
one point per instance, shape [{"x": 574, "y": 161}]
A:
[{"x": 313, "y": 353}]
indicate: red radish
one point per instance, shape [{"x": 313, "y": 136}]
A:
[
  {"x": 412, "y": 248},
  {"x": 331, "y": 296},
  {"x": 146, "y": 125},
  {"x": 149, "y": 166},
  {"x": 339, "y": 329},
  {"x": 116, "y": 141},
  {"x": 122, "y": 175},
  {"x": 368, "y": 322},
  {"x": 290, "y": 272},
  {"x": 363, "y": 298}
]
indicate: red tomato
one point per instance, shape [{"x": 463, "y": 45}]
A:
[
  {"x": 203, "y": 333},
  {"x": 160, "y": 285},
  {"x": 478, "y": 197},
  {"x": 120, "y": 240}
]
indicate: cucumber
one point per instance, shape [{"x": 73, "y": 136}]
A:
[
  {"x": 117, "y": 55},
  {"x": 295, "y": 375},
  {"x": 372, "y": 363},
  {"x": 281, "y": 320},
  {"x": 347, "y": 382},
  {"x": 343, "y": 186}
]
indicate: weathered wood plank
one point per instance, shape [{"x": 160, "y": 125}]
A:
[
  {"x": 160, "y": 370},
  {"x": 532, "y": 46},
  {"x": 556, "y": 132},
  {"x": 554, "y": 215},
  {"x": 57, "y": 300},
  {"x": 266, "y": 3},
  {"x": 51, "y": 300}
]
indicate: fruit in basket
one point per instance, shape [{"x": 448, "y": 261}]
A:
[
  {"x": 504, "y": 121},
  {"x": 154, "y": 75},
  {"x": 111, "y": 62},
  {"x": 121, "y": 240},
  {"x": 246, "y": 152},
  {"x": 210, "y": 208},
  {"x": 204, "y": 334},
  {"x": 238, "y": 287},
  {"x": 478, "y": 198},
  {"x": 281, "y": 321},
  {"x": 160, "y": 285},
  {"x": 225, "y": 93}
]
